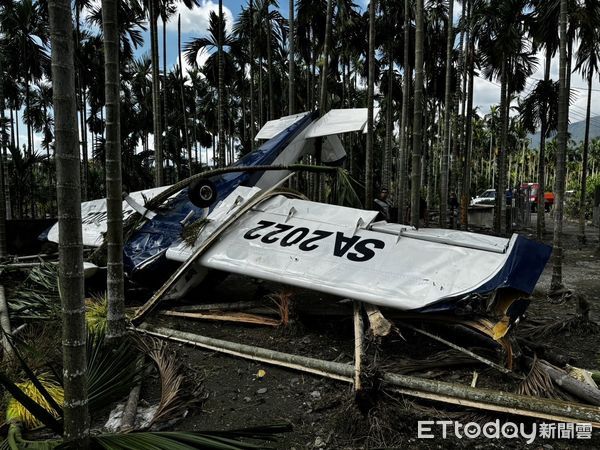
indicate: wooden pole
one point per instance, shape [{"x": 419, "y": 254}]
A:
[
  {"x": 358, "y": 345},
  {"x": 378, "y": 324},
  {"x": 452, "y": 393}
]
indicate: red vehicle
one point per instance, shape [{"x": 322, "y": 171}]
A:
[{"x": 533, "y": 189}]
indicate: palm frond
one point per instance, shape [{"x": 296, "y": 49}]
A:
[
  {"x": 96, "y": 311},
  {"x": 173, "y": 398},
  {"x": 538, "y": 383},
  {"x": 36, "y": 410},
  {"x": 17, "y": 412},
  {"x": 37, "y": 296},
  {"x": 112, "y": 372}
]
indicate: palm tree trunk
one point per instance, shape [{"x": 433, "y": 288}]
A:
[
  {"x": 500, "y": 207},
  {"x": 447, "y": 114},
  {"x": 370, "y": 101},
  {"x": 417, "y": 120},
  {"x": 183, "y": 112},
  {"x": 114, "y": 197},
  {"x": 561, "y": 151},
  {"x": 325, "y": 68},
  {"x": 156, "y": 113},
  {"x": 270, "y": 67},
  {"x": 68, "y": 190},
  {"x": 387, "y": 158},
  {"x": 541, "y": 217},
  {"x": 221, "y": 94},
  {"x": 251, "y": 57},
  {"x": 584, "y": 163},
  {"x": 4, "y": 313},
  {"x": 291, "y": 56},
  {"x": 402, "y": 158},
  {"x": 466, "y": 192}
]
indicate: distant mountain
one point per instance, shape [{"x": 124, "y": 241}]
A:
[{"x": 577, "y": 130}]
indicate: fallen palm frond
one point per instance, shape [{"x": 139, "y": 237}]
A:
[
  {"x": 178, "y": 440},
  {"x": 37, "y": 296},
  {"x": 551, "y": 328},
  {"x": 283, "y": 303},
  {"x": 443, "y": 359},
  {"x": 190, "y": 232},
  {"x": 16, "y": 412},
  {"x": 538, "y": 383},
  {"x": 112, "y": 371},
  {"x": 96, "y": 312},
  {"x": 173, "y": 398},
  {"x": 37, "y": 411}
]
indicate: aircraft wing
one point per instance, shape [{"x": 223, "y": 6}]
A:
[
  {"x": 338, "y": 121},
  {"x": 342, "y": 251},
  {"x": 93, "y": 216}
]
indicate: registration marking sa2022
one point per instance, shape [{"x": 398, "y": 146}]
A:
[{"x": 353, "y": 248}]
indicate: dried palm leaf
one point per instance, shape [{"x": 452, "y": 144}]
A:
[
  {"x": 538, "y": 383},
  {"x": 173, "y": 397}
]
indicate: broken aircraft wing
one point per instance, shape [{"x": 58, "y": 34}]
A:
[{"x": 342, "y": 251}]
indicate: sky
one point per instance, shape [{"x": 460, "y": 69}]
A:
[{"x": 194, "y": 23}]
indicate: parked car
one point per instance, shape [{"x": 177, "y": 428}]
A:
[
  {"x": 488, "y": 197},
  {"x": 533, "y": 189}
]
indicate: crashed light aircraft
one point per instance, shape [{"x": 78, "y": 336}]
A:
[{"x": 252, "y": 230}]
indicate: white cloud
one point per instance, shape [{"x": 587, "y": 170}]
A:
[
  {"x": 201, "y": 60},
  {"x": 196, "y": 20}
]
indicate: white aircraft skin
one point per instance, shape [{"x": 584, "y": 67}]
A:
[
  {"x": 338, "y": 250},
  {"x": 288, "y": 140},
  {"x": 343, "y": 251}
]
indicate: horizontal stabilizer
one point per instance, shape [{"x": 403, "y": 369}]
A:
[{"x": 339, "y": 121}]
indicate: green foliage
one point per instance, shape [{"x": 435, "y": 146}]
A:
[
  {"x": 96, "y": 312},
  {"x": 572, "y": 203},
  {"x": 112, "y": 371},
  {"x": 37, "y": 296}
]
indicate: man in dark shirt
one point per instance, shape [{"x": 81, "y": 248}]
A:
[{"x": 381, "y": 204}]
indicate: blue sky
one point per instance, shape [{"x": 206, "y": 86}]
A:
[{"x": 195, "y": 23}]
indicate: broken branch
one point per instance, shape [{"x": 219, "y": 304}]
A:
[{"x": 486, "y": 399}]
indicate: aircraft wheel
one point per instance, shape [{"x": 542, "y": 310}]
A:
[{"x": 202, "y": 193}]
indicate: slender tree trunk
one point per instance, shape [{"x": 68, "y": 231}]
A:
[
  {"x": 584, "y": 163},
  {"x": 75, "y": 407},
  {"x": 417, "y": 120},
  {"x": 323, "y": 97},
  {"x": 182, "y": 86},
  {"x": 221, "y": 83},
  {"x": 251, "y": 56},
  {"x": 4, "y": 313},
  {"x": 156, "y": 113},
  {"x": 500, "y": 210},
  {"x": 540, "y": 224},
  {"x": 271, "y": 115},
  {"x": 561, "y": 151},
  {"x": 291, "y": 58},
  {"x": 114, "y": 198},
  {"x": 466, "y": 192},
  {"x": 370, "y": 101},
  {"x": 447, "y": 142},
  {"x": 163, "y": 84},
  {"x": 402, "y": 158},
  {"x": 389, "y": 117}
]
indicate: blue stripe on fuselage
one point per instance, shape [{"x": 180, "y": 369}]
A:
[{"x": 158, "y": 234}]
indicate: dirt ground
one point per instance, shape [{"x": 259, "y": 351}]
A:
[{"x": 322, "y": 412}]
